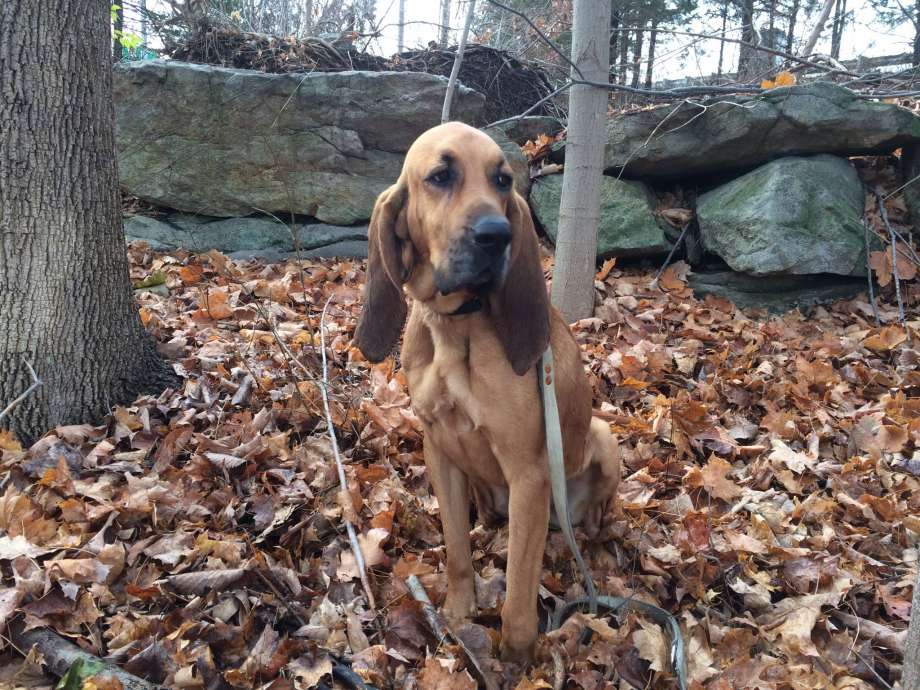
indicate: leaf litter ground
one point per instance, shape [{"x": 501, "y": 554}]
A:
[{"x": 771, "y": 497}]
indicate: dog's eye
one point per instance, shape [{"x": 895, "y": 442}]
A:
[
  {"x": 440, "y": 178},
  {"x": 503, "y": 181}
]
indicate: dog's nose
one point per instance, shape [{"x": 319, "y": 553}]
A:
[{"x": 492, "y": 234}]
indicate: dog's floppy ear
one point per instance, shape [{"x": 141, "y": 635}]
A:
[
  {"x": 384, "y": 311},
  {"x": 520, "y": 307}
]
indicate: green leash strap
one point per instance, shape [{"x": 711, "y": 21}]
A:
[{"x": 554, "y": 449}]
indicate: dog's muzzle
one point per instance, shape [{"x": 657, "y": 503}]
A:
[{"x": 478, "y": 259}]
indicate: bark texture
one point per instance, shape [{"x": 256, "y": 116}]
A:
[
  {"x": 910, "y": 680},
  {"x": 815, "y": 34},
  {"x": 579, "y": 211},
  {"x": 66, "y": 303},
  {"x": 747, "y": 50},
  {"x": 445, "y": 23},
  {"x": 60, "y": 654}
]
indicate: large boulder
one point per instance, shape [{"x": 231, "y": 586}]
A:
[
  {"x": 910, "y": 171},
  {"x": 524, "y": 129},
  {"x": 737, "y": 134},
  {"x": 520, "y": 166},
  {"x": 775, "y": 293},
  {"x": 628, "y": 226},
  {"x": 240, "y": 236},
  {"x": 791, "y": 216},
  {"x": 230, "y": 142}
]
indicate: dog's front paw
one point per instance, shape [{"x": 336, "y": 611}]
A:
[
  {"x": 518, "y": 654},
  {"x": 459, "y": 607},
  {"x": 519, "y": 643}
]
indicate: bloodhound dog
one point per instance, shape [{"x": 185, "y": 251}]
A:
[{"x": 454, "y": 232}]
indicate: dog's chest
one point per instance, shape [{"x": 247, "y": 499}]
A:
[{"x": 442, "y": 392}]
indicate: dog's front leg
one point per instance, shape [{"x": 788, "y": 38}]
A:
[
  {"x": 528, "y": 521},
  {"x": 452, "y": 489}
]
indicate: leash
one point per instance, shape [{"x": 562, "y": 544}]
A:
[
  {"x": 557, "y": 469},
  {"x": 554, "y": 448}
]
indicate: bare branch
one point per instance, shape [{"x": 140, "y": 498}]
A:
[
  {"x": 458, "y": 61},
  {"x": 894, "y": 252},
  {"x": 772, "y": 51},
  {"x": 878, "y": 321},
  {"x": 556, "y": 49},
  {"x": 819, "y": 27},
  {"x": 533, "y": 107},
  {"x": 343, "y": 482},
  {"x": 683, "y": 233},
  {"x": 443, "y": 633},
  {"x": 36, "y": 383}
]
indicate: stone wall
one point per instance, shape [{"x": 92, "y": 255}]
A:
[
  {"x": 260, "y": 164},
  {"x": 778, "y": 209},
  {"x": 226, "y": 142}
]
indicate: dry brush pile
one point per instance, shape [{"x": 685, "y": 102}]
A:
[
  {"x": 511, "y": 85},
  {"x": 771, "y": 497}
]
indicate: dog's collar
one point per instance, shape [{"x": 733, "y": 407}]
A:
[{"x": 468, "y": 307}]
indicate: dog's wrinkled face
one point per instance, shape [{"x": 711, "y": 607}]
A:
[
  {"x": 459, "y": 190},
  {"x": 452, "y": 227}
]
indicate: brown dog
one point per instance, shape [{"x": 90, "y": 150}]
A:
[{"x": 455, "y": 233}]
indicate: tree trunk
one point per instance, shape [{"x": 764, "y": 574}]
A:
[
  {"x": 722, "y": 42},
  {"x": 143, "y": 13},
  {"x": 910, "y": 678},
  {"x": 66, "y": 303},
  {"x": 840, "y": 19},
  {"x": 916, "y": 60},
  {"x": 285, "y": 17},
  {"x": 308, "y": 18},
  {"x": 614, "y": 32},
  {"x": 809, "y": 46},
  {"x": 579, "y": 210},
  {"x": 653, "y": 39},
  {"x": 445, "y": 23},
  {"x": 637, "y": 56},
  {"x": 624, "y": 49},
  {"x": 790, "y": 30},
  {"x": 118, "y": 25},
  {"x": 401, "y": 36},
  {"x": 746, "y": 52}
]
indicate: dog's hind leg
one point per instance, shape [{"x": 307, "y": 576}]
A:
[{"x": 591, "y": 494}]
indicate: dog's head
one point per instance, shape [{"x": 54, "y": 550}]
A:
[{"x": 451, "y": 229}]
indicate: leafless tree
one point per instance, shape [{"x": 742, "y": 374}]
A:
[{"x": 579, "y": 211}]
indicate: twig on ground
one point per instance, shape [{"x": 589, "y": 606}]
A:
[
  {"x": 868, "y": 630},
  {"x": 60, "y": 654},
  {"x": 36, "y": 383},
  {"x": 667, "y": 261},
  {"x": 558, "y": 669},
  {"x": 343, "y": 482},
  {"x": 442, "y": 632},
  {"x": 438, "y": 627},
  {"x": 458, "y": 61},
  {"x": 878, "y": 321},
  {"x": 894, "y": 253},
  {"x": 869, "y": 665},
  {"x": 243, "y": 392}
]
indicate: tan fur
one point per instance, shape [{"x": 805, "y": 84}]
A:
[{"x": 473, "y": 378}]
